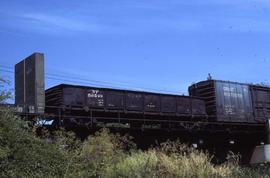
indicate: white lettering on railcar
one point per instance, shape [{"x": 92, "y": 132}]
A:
[
  {"x": 94, "y": 94},
  {"x": 231, "y": 92},
  {"x": 229, "y": 89},
  {"x": 96, "y": 98},
  {"x": 151, "y": 105},
  {"x": 228, "y": 109}
]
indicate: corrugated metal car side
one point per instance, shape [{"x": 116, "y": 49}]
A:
[{"x": 225, "y": 101}]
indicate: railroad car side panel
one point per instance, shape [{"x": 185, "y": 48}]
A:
[
  {"x": 233, "y": 102},
  {"x": 183, "y": 105},
  {"x": 261, "y": 103},
  {"x": 151, "y": 103},
  {"x": 73, "y": 96},
  {"x": 168, "y": 104},
  {"x": 198, "y": 107},
  {"x": 134, "y": 101},
  {"x": 114, "y": 100}
]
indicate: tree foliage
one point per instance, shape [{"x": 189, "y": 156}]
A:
[
  {"x": 23, "y": 154},
  {"x": 4, "y": 93}
]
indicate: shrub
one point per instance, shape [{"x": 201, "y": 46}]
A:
[
  {"x": 98, "y": 152},
  {"x": 22, "y": 154}
]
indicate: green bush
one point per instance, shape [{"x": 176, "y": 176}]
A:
[
  {"x": 22, "y": 154},
  {"x": 98, "y": 152}
]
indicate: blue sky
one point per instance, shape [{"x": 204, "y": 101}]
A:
[{"x": 153, "y": 45}]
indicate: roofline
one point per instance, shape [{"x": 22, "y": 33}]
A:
[
  {"x": 115, "y": 89},
  {"x": 227, "y": 81}
]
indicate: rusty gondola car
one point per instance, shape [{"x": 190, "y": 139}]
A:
[{"x": 111, "y": 104}]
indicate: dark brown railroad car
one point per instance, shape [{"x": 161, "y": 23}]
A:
[
  {"x": 227, "y": 101},
  {"x": 70, "y": 96}
]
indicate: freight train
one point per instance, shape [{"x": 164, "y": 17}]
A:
[
  {"x": 212, "y": 103},
  {"x": 209, "y": 101},
  {"x": 216, "y": 114}
]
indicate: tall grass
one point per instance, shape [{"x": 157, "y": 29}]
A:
[{"x": 106, "y": 155}]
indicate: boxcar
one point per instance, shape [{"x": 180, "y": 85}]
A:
[{"x": 233, "y": 102}]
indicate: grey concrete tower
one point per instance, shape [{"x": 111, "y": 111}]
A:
[{"x": 29, "y": 84}]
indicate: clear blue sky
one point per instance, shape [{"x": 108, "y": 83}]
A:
[{"x": 153, "y": 44}]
